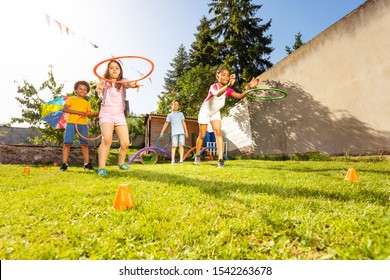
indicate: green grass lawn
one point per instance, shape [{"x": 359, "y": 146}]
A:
[{"x": 252, "y": 209}]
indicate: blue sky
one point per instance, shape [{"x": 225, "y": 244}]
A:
[{"x": 150, "y": 28}]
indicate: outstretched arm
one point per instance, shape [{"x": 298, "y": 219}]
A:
[
  {"x": 252, "y": 84},
  {"x": 131, "y": 85}
]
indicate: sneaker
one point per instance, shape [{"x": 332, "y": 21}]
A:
[
  {"x": 88, "y": 166},
  {"x": 181, "y": 162},
  {"x": 173, "y": 162},
  {"x": 197, "y": 159},
  {"x": 63, "y": 167},
  {"x": 221, "y": 163}
]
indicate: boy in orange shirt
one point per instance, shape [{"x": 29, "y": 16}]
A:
[{"x": 78, "y": 109}]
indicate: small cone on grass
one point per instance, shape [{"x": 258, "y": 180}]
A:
[
  {"x": 26, "y": 170},
  {"x": 124, "y": 199},
  {"x": 351, "y": 175},
  {"x": 55, "y": 164},
  {"x": 45, "y": 168}
]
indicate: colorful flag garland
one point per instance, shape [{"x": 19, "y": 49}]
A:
[{"x": 68, "y": 31}]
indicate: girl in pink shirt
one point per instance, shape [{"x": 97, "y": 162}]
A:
[
  {"x": 210, "y": 109},
  {"x": 112, "y": 115}
]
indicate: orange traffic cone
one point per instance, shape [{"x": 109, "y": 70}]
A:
[
  {"x": 26, "y": 170},
  {"x": 55, "y": 164},
  {"x": 124, "y": 199},
  {"x": 45, "y": 168},
  {"x": 351, "y": 175}
]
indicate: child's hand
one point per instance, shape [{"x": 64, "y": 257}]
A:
[
  {"x": 101, "y": 85},
  {"x": 253, "y": 83},
  {"x": 232, "y": 79},
  {"x": 131, "y": 85},
  {"x": 91, "y": 114}
]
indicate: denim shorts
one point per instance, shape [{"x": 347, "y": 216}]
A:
[
  {"x": 178, "y": 140},
  {"x": 70, "y": 132}
]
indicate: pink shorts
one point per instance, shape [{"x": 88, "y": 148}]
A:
[{"x": 115, "y": 119}]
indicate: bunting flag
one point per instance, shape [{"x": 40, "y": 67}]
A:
[{"x": 68, "y": 31}]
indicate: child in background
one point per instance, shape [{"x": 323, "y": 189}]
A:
[
  {"x": 112, "y": 115},
  {"x": 210, "y": 109},
  {"x": 178, "y": 131},
  {"x": 78, "y": 109}
]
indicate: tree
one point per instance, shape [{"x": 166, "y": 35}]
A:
[
  {"x": 205, "y": 49},
  {"x": 31, "y": 104},
  {"x": 194, "y": 86},
  {"x": 180, "y": 65},
  {"x": 298, "y": 43},
  {"x": 233, "y": 37},
  {"x": 243, "y": 43}
]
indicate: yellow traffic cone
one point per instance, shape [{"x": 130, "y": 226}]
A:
[{"x": 124, "y": 199}]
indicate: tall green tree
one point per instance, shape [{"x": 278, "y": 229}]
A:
[
  {"x": 244, "y": 44},
  {"x": 205, "y": 49},
  {"x": 297, "y": 44},
  {"x": 180, "y": 65}
]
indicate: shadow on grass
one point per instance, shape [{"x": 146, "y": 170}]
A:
[
  {"x": 309, "y": 170},
  {"x": 223, "y": 189}
]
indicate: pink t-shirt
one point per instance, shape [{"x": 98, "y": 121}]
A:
[
  {"x": 113, "y": 100},
  {"x": 214, "y": 103}
]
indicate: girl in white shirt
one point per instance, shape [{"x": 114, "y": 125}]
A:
[{"x": 210, "y": 109}]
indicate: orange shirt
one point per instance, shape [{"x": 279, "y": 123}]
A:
[{"x": 77, "y": 104}]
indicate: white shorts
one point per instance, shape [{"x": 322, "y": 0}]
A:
[{"x": 205, "y": 116}]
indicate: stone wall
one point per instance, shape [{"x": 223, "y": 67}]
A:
[
  {"x": 34, "y": 154},
  {"x": 20, "y": 135}
]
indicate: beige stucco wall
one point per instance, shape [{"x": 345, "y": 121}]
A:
[{"x": 339, "y": 91}]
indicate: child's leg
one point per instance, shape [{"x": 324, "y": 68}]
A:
[
  {"x": 181, "y": 152},
  {"x": 182, "y": 139},
  {"x": 104, "y": 148},
  {"x": 83, "y": 129},
  {"x": 85, "y": 151},
  {"x": 174, "y": 143},
  {"x": 123, "y": 134},
  {"x": 199, "y": 140},
  {"x": 216, "y": 124},
  {"x": 65, "y": 153},
  {"x": 173, "y": 154}
]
